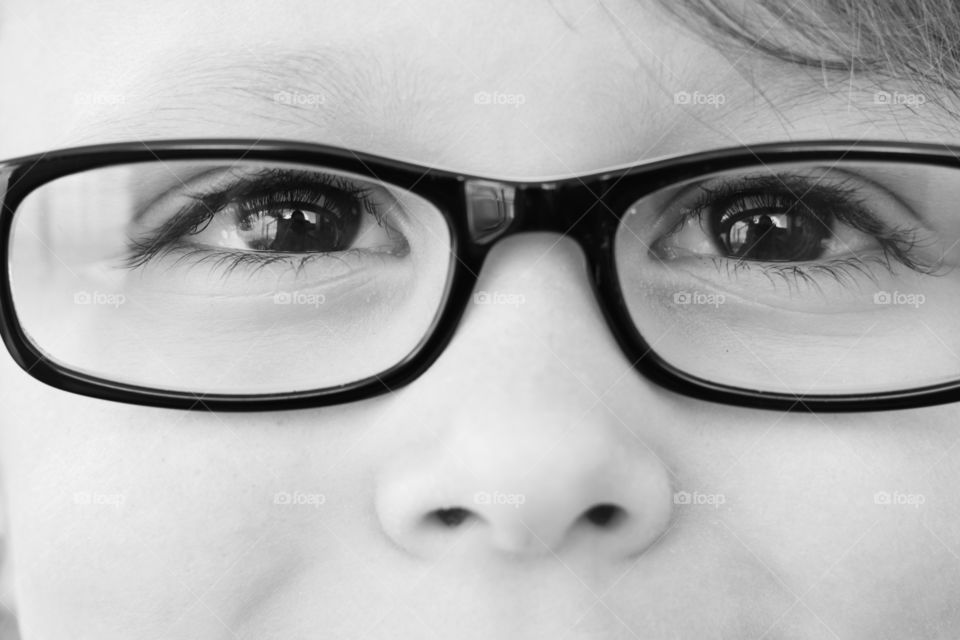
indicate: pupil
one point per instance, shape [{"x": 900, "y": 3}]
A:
[
  {"x": 775, "y": 237},
  {"x": 298, "y": 234}
]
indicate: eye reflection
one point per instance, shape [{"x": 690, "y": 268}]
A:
[
  {"x": 773, "y": 237},
  {"x": 297, "y": 230}
]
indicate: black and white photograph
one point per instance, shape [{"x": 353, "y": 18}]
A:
[{"x": 501, "y": 320}]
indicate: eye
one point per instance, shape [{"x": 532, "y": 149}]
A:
[
  {"x": 300, "y": 217},
  {"x": 785, "y": 219},
  {"x": 770, "y": 227},
  {"x": 247, "y": 220},
  {"x": 298, "y": 228}
]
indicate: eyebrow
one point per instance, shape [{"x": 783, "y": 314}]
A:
[
  {"x": 347, "y": 97},
  {"x": 297, "y": 88}
]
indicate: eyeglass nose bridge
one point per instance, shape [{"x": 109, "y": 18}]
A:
[{"x": 490, "y": 209}]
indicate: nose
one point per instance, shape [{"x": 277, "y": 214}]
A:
[
  {"x": 522, "y": 490},
  {"x": 517, "y": 449}
]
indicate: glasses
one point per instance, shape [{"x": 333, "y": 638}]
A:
[{"x": 254, "y": 275}]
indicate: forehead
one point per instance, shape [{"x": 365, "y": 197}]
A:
[{"x": 533, "y": 88}]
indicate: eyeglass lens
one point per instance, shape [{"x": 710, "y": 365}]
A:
[{"x": 258, "y": 277}]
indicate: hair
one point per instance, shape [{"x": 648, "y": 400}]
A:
[{"x": 915, "y": 42}]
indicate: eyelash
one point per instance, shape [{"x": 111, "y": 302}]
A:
[
  {"x": 266, "y": 191},
  {"x": 840, "y": 203}
]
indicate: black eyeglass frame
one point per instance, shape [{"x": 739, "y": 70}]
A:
[{"x": 586, "y": 209}]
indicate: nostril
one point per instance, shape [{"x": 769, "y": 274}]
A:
[
  {"x": 452, "y": 517},
  {"x": 604, "y": 515}
]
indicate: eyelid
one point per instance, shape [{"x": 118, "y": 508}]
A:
[
  {"x": 220, "y": 180},
  {"x": 812, "y": 181},
  {"x": 146, "y": 204}
]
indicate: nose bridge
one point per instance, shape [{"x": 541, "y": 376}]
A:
[
  {"x": 499, "y": 214},
  {"x": 535, "y": 311},
  {"x": 526, "y": 281}
]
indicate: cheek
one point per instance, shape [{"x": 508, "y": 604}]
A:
[
  {"x": 126, "y": 518},
  {"x": 864, "y": 505}
]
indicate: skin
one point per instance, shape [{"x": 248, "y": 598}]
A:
[{"x": 182, "y": 537}]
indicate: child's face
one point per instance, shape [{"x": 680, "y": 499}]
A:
[{"x": 129, "y": 522}]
